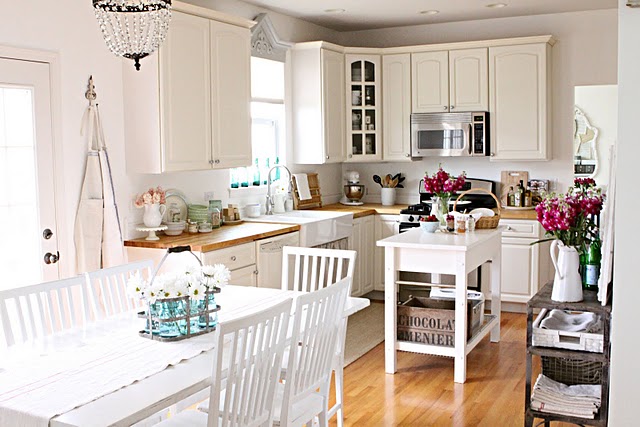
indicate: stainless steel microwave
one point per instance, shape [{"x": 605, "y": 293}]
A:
[{"x": 450, "y": 134}]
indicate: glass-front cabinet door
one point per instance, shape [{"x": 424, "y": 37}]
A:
[{"x": 364, "y": 136}]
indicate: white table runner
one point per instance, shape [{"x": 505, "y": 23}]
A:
[{"x": 36, "y": 390}]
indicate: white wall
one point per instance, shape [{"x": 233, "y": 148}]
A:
[
  {"x": 625, "y": 371},
  {"x": 69, "y": 28},
  {"x": 585, "y": 54},
  {"x": 600, "y": 104}
]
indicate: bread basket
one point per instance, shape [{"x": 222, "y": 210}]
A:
[{"x": 486, "y": 221}]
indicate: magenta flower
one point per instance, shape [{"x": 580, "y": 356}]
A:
[{"x": 442, "y": 184}]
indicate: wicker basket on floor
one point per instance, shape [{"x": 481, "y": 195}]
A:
[{"x": 486, "y": 221}]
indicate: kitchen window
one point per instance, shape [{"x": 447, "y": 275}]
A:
[{"x": 267, "y": 123}]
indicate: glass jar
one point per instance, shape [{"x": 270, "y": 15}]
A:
[
  {"x": 440, "y": 208},
  {"x": 193, "y": 227},
  {"x": 216, "y": 218},
  {"x": 461, "y": 223}
]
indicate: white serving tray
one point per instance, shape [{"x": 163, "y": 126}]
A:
[{"x": 581, "y": 341}]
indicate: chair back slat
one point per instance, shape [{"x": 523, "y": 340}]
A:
[
  {"x": 33, "y": 312},
  {"x": 108, "y": 288},
  {"x": 250, "y": 350},
  {"x": 316, "y": 328},
  {"x": 315, "y": 268}
]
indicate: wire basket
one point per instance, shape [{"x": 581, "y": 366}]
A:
[
  {"x": 572, "y": 371},
  {"x": 484, "y": 222},
  {"x": 174, "y": 319}
]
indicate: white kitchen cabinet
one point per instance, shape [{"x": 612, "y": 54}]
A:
[
  {"x": 468, "y": 80},
  {"x": 450, "y": 81},
  {"x": 245, "y": 276},
  {"x": 525, "y": 267},
  {"x": 363, "y": 108},
  {"x": 362, "y": 241},
  {"x": 188, "y": 108},
  {"x": 318, "y": 105},
  {"x": 519, "y": 102},
  {"x": 396, "y": 106},
  {"x": 430, "y": 82},
  {"x": 385, "y": 226}
]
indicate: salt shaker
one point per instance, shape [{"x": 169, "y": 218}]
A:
[{"x": 471, "y": 224}]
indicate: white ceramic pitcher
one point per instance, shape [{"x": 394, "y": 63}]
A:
[
  {"x": 153, "y": 214},
  {"x": 567, "y": 284}
]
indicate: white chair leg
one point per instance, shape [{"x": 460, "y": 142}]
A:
[{"x": 339, "y": 384}]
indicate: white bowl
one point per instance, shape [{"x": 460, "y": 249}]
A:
[
  {"x": 253, "y": 210},
  {"x": 429, "y": 226}
]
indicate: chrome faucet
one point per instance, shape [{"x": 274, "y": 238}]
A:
[{"x": 270, "y": 202}]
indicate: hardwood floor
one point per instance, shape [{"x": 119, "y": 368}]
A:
[{"x": 422, "y": 392}]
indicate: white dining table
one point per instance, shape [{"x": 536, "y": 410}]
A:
[{"x": 143, "y": 397}]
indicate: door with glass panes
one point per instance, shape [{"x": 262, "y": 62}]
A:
[{"x": 363, "y": 77}]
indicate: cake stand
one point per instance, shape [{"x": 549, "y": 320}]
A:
[{"x": 151, "y": 230}]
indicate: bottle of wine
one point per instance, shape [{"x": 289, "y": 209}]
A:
[
  {"x": 590, "y": 267},
  {"x": 511, "y": 200},
  {"x": 519, "y": 195}
]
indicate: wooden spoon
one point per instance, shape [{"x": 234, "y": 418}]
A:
[
  {"x": 387, "y": 180},
  {"x": 394, "y": 183}
]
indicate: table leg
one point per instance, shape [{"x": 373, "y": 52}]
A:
[
  {"x": 460, "y": 339},
  {"x": 496, "y": 285},
  {"x": 390, "y": 310}
]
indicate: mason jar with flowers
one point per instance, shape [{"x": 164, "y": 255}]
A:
[
  {"x": 153, "y": 201},
  {"x": 442, "y": 186},
  {"x": 181, "y": 304},
  {"x": 569, "y": 222}
]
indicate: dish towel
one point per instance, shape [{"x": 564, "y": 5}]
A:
[
  {"x": 302, "y": 181},
  {"x": 571, "y": 322}
]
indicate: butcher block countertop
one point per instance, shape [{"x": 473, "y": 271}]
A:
[
  {"x": 364, "y": 210},
  {"x": 516, "y": 214},
  {"x": 223, "y": 237}
]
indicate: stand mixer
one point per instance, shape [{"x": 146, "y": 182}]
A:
[{"x": 353, "y": 190}]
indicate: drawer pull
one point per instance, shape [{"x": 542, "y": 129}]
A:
[
  {"x": 233, "y": 258},
  {"x": 509, "y": 228}
]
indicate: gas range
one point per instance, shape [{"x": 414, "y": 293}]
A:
[{"x": 410, "y": 217}]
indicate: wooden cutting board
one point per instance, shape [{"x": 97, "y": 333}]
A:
[{"x": 511, "y": 179}]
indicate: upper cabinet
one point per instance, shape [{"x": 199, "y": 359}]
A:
[
  {"x": 318, "y": 104},
  {"x": 454, "y": 80},
  {"x": 189, "y": 106},
  {"x": 363, "y": 102},
  {"x": 519, "y": 96},
  {"x": 396, "y": 105}
]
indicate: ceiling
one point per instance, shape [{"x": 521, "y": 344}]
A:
[{"x": 372, "y": 14}]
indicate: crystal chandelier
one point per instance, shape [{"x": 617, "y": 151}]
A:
[{"x": 133, "y": 28}]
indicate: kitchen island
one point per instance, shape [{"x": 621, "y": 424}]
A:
[{"x": 442, "y": 253}]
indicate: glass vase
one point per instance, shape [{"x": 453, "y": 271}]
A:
[
  {"x": 170, "y": 309},
  {"x": 440, "y": 208},
  {"x": 208, "y": 303}
]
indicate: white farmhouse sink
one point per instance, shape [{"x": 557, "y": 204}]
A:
[{"x": 316, "y": 227}]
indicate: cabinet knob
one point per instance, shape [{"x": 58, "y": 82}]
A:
[
  {"x": 509, "y": 228},
  {"x": 407, "y": 155},
  {"x": 216, "y": 161},
  {"x": 233, "y": 258},
  {"x": 255, "y": 272},
  {"x": 446, "y": 108},
  {"x": 210, "y": 162},
  {"x": 350, "y": 155},
  {"x": 453, "y": 106},
  {"x": 492, "y": 155},
  {"x": 327, "y": 157}
]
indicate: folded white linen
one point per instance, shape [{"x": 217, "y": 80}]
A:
[
  {"x": 302, "y": 181},
  {"x": 560, "y": 320},
  {"x": 581, "y": 400},
  {"x": 593, "y": 391}
]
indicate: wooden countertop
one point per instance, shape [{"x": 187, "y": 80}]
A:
[
  {"x": 515, "y": 214},
  {"x": 364, "y": 210},
  {"x": 223, "y": 237}
]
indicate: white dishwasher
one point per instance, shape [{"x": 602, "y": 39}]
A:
[{"x": 269, "y": 262}]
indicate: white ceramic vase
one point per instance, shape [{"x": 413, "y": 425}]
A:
[
  {"x": 388, "y": 196},
  {"x": 153, "y": 213},
  {"x": 567, "y": 284}
]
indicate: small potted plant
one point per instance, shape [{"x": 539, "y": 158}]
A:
[{"x": 429, "y": 223}]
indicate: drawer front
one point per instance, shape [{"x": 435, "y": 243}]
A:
[
  {"x": 245, "y": 276},
  {"x": 234, "y": 257},
  {"x": 521, "y": 228}
]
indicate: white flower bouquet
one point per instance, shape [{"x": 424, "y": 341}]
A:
[{"x": 182, "y": 304}]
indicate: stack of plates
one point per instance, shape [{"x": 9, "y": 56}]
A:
[{"x": 198, "y": 213}]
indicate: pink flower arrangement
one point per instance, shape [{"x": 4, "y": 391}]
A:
[
  {"x": 442, "y": 184},
  {"x": 151, "y": 196},
  {"x": 570, "y": 217}
]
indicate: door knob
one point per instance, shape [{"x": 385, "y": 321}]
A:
[
  {"x": 50, "y": 258},
  {"x": 47, "y": 234}
]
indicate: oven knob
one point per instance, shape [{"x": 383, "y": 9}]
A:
[{"x": 410, "y": 218}]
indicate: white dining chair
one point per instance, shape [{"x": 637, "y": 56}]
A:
[
  {"x": 246, "y": 370},
  {"x": 316, "y": 328},
  {"x": 108, "y": 288},
  {"x": 31, "y": 313},
  {"x": 314, "y": 269}
]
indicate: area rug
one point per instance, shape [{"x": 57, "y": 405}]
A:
[{"x": 365, "y": 330}]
